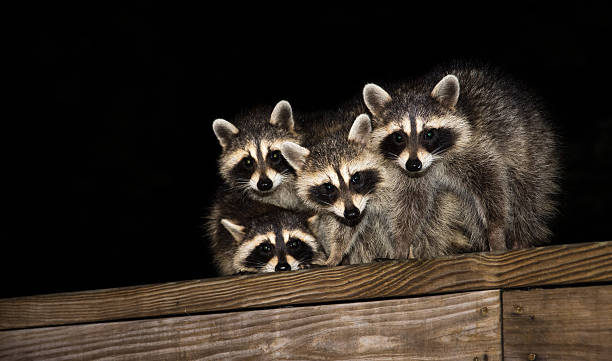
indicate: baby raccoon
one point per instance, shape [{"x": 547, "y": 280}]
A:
[
  {"x": 251, "y": 160},
  {"x": 248, "y": 236},
  {"x": 478, "y": 135},
  {"x": 345, "y": 184}
]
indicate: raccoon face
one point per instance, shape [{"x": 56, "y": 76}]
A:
[
  {"x": 343, "y": 190},
  {"x": 415, "y": 136},
  {"x": 277, "y": 249},
  {"x": 340, "y": 184},
  {"x": 254, "y": 162},
  {"x": 257, "y": 167}
]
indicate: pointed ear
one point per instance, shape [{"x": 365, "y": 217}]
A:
[
  {"x": 294, "y": 154},
  {"x": 361, "y": 130},
  {"x": 446, "y": 92},
  {"x": 375, "y": 98},
  {"x": 282, "y": 116},
  {"x": 225, "y": 131},
  {"x": 236, "y": 230}
]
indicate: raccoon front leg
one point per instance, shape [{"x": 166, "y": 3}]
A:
[
  {"x": 491, "y": 195},
  {"x": 339, "y": 247},
  {"x": 341, "y": 240},
  {"x": 483, "y": 185}
]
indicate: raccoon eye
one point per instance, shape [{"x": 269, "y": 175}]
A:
[
  {"x": 356, "y": 178},
  {"x": 275, "y": 156},
  {"x": 247, "y": 162},
  {"x": 328, "y": 188},
  {"x": 398, "y": 138},
  {"x": 294, "y": 243},
  {"x": 265, "y": 248},
  {"x": 429, "y": 134}
]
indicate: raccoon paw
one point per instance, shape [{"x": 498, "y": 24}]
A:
[
  {"x": 310, "y": 266},
  {"x": 382, "y": 259},
  {"x": 241, "y": 273}
]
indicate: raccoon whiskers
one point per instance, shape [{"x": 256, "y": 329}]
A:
[
  {"x": 240, "y": 186},
  {"x": 391, "y": 156},
  {"x": 439, "y": 151}
]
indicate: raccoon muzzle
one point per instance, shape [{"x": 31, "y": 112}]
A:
[
  {"x": 282, "y": 266},
  {"x": 264, "y": 184},
  {"x": 414, "y": 165},
  {"x": 352, "y": 216}
]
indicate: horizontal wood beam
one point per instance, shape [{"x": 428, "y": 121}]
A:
[
  {"x": 544, "y": 266},
  {"x": 558, "y": 324},
  {"x": 463, "y": 326}
]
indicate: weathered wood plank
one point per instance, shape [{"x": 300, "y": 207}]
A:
[
  {"x": 445, "y": 327},
  {"x": 556, "y": 265},
  {"x": 558, "y": 324}
]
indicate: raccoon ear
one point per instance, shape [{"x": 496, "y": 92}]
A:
[
  {"x": 225, "y": 131},
  {"x": 361, "y": 130},
  {"x": 282, "y": 116},
  {"x": 294, "y": 154},
  {"x": 446, "y": 92},
  {"x": 236, "y": 230},
  {"x": 375, "y": 98}
]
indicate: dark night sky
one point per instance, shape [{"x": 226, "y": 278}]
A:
[{"x": 113, "y": 162}]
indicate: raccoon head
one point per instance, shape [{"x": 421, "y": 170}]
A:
[
  {"x": 416, "y": 130},
  {"x": 251, "y": 159},
  {"x": 273, "y": 244},
  {"x": 337, "y": 176}
]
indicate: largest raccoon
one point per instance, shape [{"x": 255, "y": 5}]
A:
[
  {"x": 251, "y": 160},
  {"x": 474, "y": 132}
]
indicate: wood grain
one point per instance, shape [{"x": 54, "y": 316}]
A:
[
  {"x": 445, "y": 327},
  {"x": 558, "y": 324},
  {"x": 556, "y": 265}
]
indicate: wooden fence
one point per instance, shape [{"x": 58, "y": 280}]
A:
[{"x": 548, "y": 303}]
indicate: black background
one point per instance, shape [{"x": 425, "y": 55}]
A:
[{"x": 113, "y": 159}]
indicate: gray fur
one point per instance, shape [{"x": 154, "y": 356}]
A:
[{"x": 501, "y": 173}]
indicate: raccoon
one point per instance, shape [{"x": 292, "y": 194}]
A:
[
  {"x": 251, "y": 160},
  {"x": 248, "y": 236},
  {"x": 344, "y": 183},
  {"x": 481, "y": 136}
]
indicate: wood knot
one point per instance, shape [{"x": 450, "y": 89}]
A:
[
  {"x": 484, "y": 311},
  {"x": 517, "y": 310},
  {"x": 531, "y": 357}
]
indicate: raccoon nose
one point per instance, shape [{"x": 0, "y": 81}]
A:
[
  {"x": 413, "y": 165},
  {"x": 351, "y": 213},
  {"x": 283, "y": 266},
  {"x": 264, "y": 184}
]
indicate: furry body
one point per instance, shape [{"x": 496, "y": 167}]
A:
[{"x": 479, "y": 136}]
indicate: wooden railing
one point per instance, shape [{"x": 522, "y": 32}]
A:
[{"x": 548, "y": 303}]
